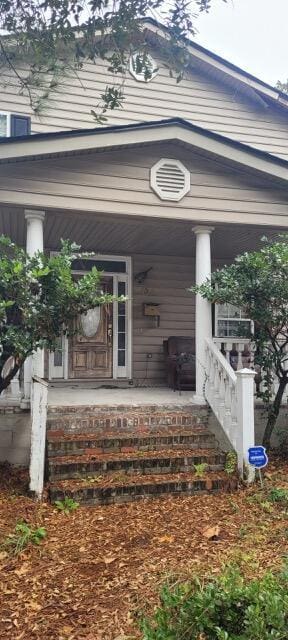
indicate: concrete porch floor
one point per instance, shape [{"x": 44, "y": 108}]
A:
[{"x": 71, "y": 396}]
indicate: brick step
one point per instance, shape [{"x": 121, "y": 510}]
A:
[
  {"x": 155, "y": 462},
  {"x": 196, "y": 437},
  {"x": 88, "y": 419},
  {"x": 113, "y": 489}
]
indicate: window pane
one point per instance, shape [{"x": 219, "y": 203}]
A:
[
  {"x": 233, "y": 312},
  {"x": 121, "y": 308},
  {"x": 58, "y": 354},
  {"x": 3, "y": 125},
  {"x": 112, "y": 266},
  {"x": 222, "y": 310},
  {"x": 233, "y": 328},
  {"x": 121, "y": 288},
  {"x": 121, "y": 359},
  {"x": 121, "y": 340},
  {"x": 121, "y": 323},
  {"x": 58, "y": 360}
]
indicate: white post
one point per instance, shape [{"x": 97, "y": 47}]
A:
[
  {"x": 245, "y": 419},
  {"x": 38, "y": 436},
  {"x": 203, "y": 314},
  {"x": 34, "y": 243}
]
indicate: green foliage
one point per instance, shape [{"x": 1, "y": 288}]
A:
[
  {"x": 67, "y": 505},
  {"x": 278, "y": 495},
  {"x": 56, "y": 38},
  {"x": 258, "y": 283},
  {"x": 23, "y": 535},
  {"x": 231, "y": 462},
  {"x": 200, "y": 469},
  {"x": 40, "y": 300},
  {"x": 226, "y": 608},
  {"x": 282, "y": 86}
]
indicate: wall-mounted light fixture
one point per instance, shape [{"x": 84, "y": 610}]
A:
[{"x": 142, "y": 275}]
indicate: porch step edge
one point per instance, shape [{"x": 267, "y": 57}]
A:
[
  {"x": 113, "y": 408},
  {"x": 59, "y": 444},
  {"x": 163, "y": 462},
  {"x": 141, "y": 487}
]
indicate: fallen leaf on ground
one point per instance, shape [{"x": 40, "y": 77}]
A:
[
  {"x": 167, "y": 539},
  {"x": 212, "y": 533}
]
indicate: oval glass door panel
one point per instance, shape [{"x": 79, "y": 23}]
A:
[{"x": 89, "y": 322}]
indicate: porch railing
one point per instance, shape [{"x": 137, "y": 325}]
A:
[
  {"x": 230, "y": 395},
  {"x": 239, "y": 354},
  {"x": 237, "y": 351}
]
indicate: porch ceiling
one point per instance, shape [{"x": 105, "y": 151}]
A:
[{"x": 127, "y": 236}]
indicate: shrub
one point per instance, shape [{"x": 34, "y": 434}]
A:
[{"x": 224, "y": 608}]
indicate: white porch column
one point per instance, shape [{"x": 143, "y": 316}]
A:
[
  {"x": 203, "y": 313},
  {"x": 34, "y": 243}
]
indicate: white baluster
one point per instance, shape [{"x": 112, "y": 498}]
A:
[
  {"x": 228, "y": 408},
  {"x": 240, "y": 349},
  {"x": 228, "y": 346},
  {"x": 216, "y": 389},
  {"x": 222, "y": 395}
]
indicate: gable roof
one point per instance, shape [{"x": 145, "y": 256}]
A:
[
  {"x": 211, "y": 61},
  {"x": 61, "y": 143}
]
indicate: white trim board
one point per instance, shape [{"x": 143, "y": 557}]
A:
[{"x": 202, "y": 140}]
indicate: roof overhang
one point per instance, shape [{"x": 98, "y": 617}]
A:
[
  {"x": 207, "y": 59},
  {"x": 109, "y": 138}
]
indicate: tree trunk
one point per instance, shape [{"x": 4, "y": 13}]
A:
[
  {"x": 4, "y": 383},
  {"x": 273, "y": 413}
]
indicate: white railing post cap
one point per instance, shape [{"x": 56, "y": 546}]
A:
[{"x": 245, "y": 373}]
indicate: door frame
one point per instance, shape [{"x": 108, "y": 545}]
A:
[{"x": 60, "y": 370}]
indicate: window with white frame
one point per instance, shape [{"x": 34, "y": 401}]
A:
[
  {"x": 14, "y": 125},
  {"x": 231, "y": 322}
]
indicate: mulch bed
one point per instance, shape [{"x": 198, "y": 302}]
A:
[{"x": 101, "y": 567}]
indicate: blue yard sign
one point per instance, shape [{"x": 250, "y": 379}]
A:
[{"x": 257, "y": 456}]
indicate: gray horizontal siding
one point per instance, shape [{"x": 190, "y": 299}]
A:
[
  {"x": 119, "y": 183},
  {"x": 197, "y": 98},
  {"x": 165, "y": 285}
]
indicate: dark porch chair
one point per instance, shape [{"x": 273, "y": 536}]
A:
[{"x": 179, "y": 355}]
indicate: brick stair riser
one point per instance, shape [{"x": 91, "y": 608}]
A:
[
  {"x": 133, "y": 422},
  {"x": 125, "y": 445},
  {"x": 150, "y": 466},
  {"x": 110, "y": 495},
  {"x": 128, "y": 409}
]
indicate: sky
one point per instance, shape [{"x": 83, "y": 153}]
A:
[{"x": 253, "y": 34}]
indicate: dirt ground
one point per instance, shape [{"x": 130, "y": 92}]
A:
[{"x": 100, "y": 568}]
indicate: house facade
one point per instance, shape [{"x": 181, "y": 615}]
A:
[{"x": 181, "y": 180}]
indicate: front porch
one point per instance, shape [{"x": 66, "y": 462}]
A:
[{"x": 155, "y": 264}]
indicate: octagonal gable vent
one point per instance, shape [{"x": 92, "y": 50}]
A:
[
  {"x": 139, "y": 75},
  {"x": 170, "y": 179}
]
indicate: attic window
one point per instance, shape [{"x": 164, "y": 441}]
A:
[
  {"x": 135, "y": 67},
  {"x": 170, "y": 179}
]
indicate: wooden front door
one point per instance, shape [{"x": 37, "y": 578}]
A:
[{"x": 91, "y": 353}]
